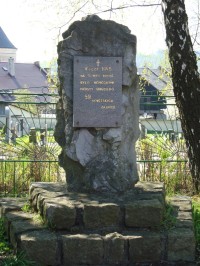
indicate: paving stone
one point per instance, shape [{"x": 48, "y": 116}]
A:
[
  {"x": 82, "y": 249},
  {"x": 184, "y": 215},
  {"x": 60, "y": 214},
  {"x": 40, "y": 246},
  {"x": 145, "y": 247},
  {"x": 154, "y": 187},
  {"x": 151, "y": 212},
  {"x": 34, "y": 196},
  {"x": 103, "y": 213},
  {"x": 19, "y": 226},
  {"x": 97, "y": 216},
  {"x": 182, "y": 205},
  {"x": 48, "y": 196},
  {"x": 16, "y": 216},
  {"x": 180, "y": 198},
  {"x": 49, "y": 186},
  {"x": 11, "y": 204},
  {"x": 114, "y": 249},
  {"x": 46, "y": 188},
  {"x": 181, "y": 245},
  {"x": 184, "y": 224}
]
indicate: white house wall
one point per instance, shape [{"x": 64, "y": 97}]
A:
[
  {"x": 5, "y": 54},
  {"x": 30, "y": 122},
  {"x": 162, "y": 125},
  {"x": 19, "y": 112}
]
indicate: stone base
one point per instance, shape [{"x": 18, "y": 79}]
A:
[
  {"x": 107, "y": 230},
  {"x": 142, "y": 207}
]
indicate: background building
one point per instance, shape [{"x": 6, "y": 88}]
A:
[{"x": 7, "y": 49}]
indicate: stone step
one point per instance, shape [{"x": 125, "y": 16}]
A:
[
  {"x": 10, "y": 204},
  {"x": 64, "y": 210},
  {"x": 100, "y": 241},
  {"x": 48, "y": 247}
]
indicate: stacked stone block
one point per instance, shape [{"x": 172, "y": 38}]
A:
[{"x": 106, "y": 230}]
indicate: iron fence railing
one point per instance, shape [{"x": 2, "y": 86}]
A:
[
  {"x": 157, "y": 167},
  {"x": 27, "y": 156},
  {"x": 174, "y": 173},
  {"x": 16, "y": 175},
  {"x": 28, "y": 151}
]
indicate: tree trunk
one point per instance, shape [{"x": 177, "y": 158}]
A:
[{"x": 185, "y": 78}]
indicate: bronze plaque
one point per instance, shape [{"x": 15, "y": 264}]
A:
[{"x": 97, "y": 95}]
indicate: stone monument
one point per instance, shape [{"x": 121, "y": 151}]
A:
[
  {"x": 97, "y": 114},
  {"x": 97, "y": 128}
]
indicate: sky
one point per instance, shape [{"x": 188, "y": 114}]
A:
[{"x": 35, "y": 26}]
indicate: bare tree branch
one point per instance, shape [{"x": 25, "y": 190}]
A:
[
  {"x": 111, "y": 7},
  {"x": 125, "y": 6},
  {"x": 197, "y": 28},
  {"x": 74, "y": 14}
]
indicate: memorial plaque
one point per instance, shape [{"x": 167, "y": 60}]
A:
[{"x": 97, "y": 97}]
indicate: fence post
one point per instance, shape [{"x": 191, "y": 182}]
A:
[{"x": 8, "y": 124}]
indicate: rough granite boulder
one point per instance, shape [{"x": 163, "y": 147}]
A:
[{"x": 98, "y": 159}]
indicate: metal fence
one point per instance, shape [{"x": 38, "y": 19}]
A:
[
  {"x": 28, "y": 151},
  {"x": 16, "y": 175},
  {"x": 161, "y": 150},
  {"x": 174, "y": 173}
]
